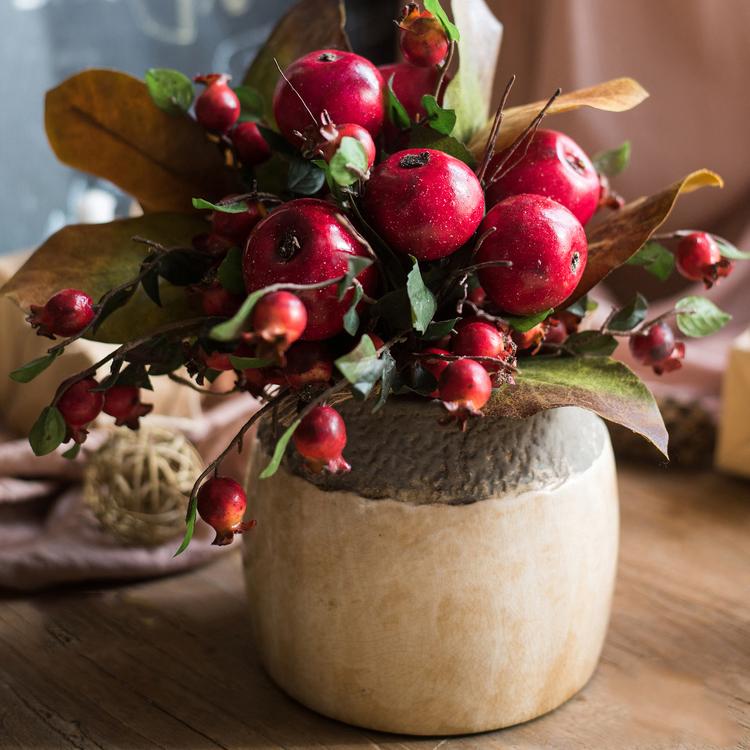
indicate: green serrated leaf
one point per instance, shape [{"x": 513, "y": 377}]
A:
[
  {"x": 355, "y": 264},
  {"x": 630, "y": 316},
  {"x": 251, "y": 104},
  {"x": 304, "y": 178},
  {"x": 229, "y": 273},
  {"x": 523, "y": 324},
  {"x": 396, "y": 111},
  {"x": 655, "y": 258},
  {"x": 421, "y": 299},
  {"x": 349, "y": 162},
  {"x": 48, "y": 431},
  {"x": 230, "y": 207},
  {"x": 441, "y": 120},
  {"x": 73, "y": 452},
  {"x": 450, "y": 28},
  {"x": 698, "y": 316},
  {"x": 439, "y": 329},
  {"x": 249, "y": 363},
  {"x": 351, "y": 317},
  {"x": 26, "y": 373},
  {"x": 591, "y": 343},
  {"x": 614, "y": 161},
  {"x": 728, "y": 250},
  {"x": 424, "y": 136},
  {"x": 279, "y": 450},
  {"x": 171, "y": 90}
]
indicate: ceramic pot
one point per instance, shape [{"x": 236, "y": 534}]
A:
[{"x": 450, "y": 583}]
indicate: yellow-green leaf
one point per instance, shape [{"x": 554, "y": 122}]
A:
[
  {"x": 97, "y": 257},
  {"x": 105, "y": 122}
]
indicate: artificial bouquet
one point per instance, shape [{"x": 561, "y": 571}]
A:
[{"x": 328, "y": 230}]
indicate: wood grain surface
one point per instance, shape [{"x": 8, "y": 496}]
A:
[{"x": 169, "y": 664}]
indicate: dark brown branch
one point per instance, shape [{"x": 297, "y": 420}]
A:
[
  {"x": 489, "y": 149},
  {"x": 439, "y": 93}
]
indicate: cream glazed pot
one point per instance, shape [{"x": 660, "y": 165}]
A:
[{"x": 450, "y": 583}]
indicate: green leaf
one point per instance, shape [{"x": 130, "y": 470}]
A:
[
  {"x": 442, "y": 120},
  {"x": 279, "y": 450},
  {"x": 351, "y": 317},
  {"x": 48, "y": 431},
  {"x": 386, "y": 379},
  {"x": 73, "y": 452},
  {"x": 598, "y": 384},
  {"x": 361, "y": 366},
  {"x": 655, "y": 258},
  {"x": 439, "y": 328},
  {"x": 698, "y": 316},
  {"x": 229, "y": 273},
  {"x": 171, "y": 357},
  {"x": 171, "y": 90},
  {"x": 582, "y": 306},
  {"x": 526, "y": 323},
  {"x": 231, "y": 329},
  {"x": 249, "y": 363},
  {"x": 150, "y": 284},
  {"x": 251, "y": 104},
  {"x": 190, "y": 518},
  {"x": 355, "y": 264},
  {"x": 614, "y": 161},
  {"x": 421, "y": 299},
  {"x": 424, "y": 136},
  {"x": 396, "y": 111},
  {"x": 436, "y": 9},
  {"x": 728, "y": 250},
  {"x": 304, "y": 177},
  {"x": 630, "y": 316},
  {"x": 350, "y": 153},
  {"x": 230, "y": 207},
  {"x": 26, "y": 373},
  {"x": 591, "y": 343}
]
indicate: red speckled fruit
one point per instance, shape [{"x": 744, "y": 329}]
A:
[
  {"x": 80, "y": 405},
  {"x": 123, "y": 402},
  {"x": 304, "y": 242},
  {"x": 554, "y": 166},
  {"x": 320, "y": 438},
  {"x": 347, "y": 86},
  {"x": 424, "y": 203},
  {"x": 64, "y": 314},
  {"x": 221, "y": 504},
  {"x": 410, "y": 84},
  {"x": 482, "y": 340},
  {"x": 249, "y": 144},
  {"x": 217, "y": 107},
  {"x": 349, "y": 130},
  {"x": 280, "y": 318},
  {"x": 547, "y": 247},
  {"x": 699, "y": 259},
  {"x": 657, "y": 347},
  {"x": 423, "y": 39},
  {"x": 466, "y": 385}
]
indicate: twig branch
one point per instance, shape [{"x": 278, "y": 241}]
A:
[
  {"x": 206, "y": 391},
  {"x": 489, "y": 149},
  {"x": 439, "y": 93}
]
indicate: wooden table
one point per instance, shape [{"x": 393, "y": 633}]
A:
[{"x": 169, "y": 664}]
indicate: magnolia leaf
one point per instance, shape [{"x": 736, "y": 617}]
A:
[
  {"x": 630, "y": 316},
  {"x": 279, "y": 450},
  {"x": 229, "y": 274},
  {"x": 728, "y": 250},
  {"x": 655, "y": 258},
  {"x": 230, "y": 207},
  {"x": 442, "y": 120},
  {"x": 251, "y": 104},
  {"x": 171, "y": 90},
  {"x": 26, "y": 373},
  {"x": 97, "y": 257},
  {"x": 598, "y": 384},
  {"x": 48, "y": 431},
  {"x": 615, "y": 239},
  {"x": 396, "y": 111},
  {"x": 434, "y": 7},
  {"x": 470, "y": 91},
  {"x": 105, "y": 123},
  {"x": 617, "y": 95},
  {"x": 423, "y": 136},
  {"x": 614, "y": 161},
  {"x": 698, "y": 316},
  {"x": 592, "y": 343},
  {"x": 310, "y": 25},
  {"x": 349, "y": 162},
  {"x": 528, "y": 322},
  {"x": 421, "y": 299}
]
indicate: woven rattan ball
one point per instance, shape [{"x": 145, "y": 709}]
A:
[{"x": 137, "y": 484}]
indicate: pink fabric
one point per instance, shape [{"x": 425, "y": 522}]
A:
[{"x": 47, "y": 534}]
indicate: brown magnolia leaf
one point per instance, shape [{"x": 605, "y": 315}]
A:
[
  {"x": 624, "y": 231},
  {"x": 617, "y": 95},
  {"x": 97, "y": 257},
  {"x": 105, "y": 122},
  {"x": 309, "y": 25},
  {"x": 470, "y": 91},
  {"x": 599, "y": 384}
]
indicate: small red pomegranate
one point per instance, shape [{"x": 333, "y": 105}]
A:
[
  {"x": 699, "y": 259},
  {"x": 435, "y": 365},
  {"x": 546, "y": 245},
  {"x": 320, "y": 439},
  {"x": 123, "y": 402},
  {"x": 483, "y": 340},
  {"x": 332, "y": 135},
  {"x": 237, "y": 226},
  {"x": 221, "y": 504},
  {"x": 79, "y": 406},
  {"x": 217, "y": 107},
  {"x": 424, "y": 202},
  {"x": 347, "y": 86},
  {"x": 64, "y": 314},
  {"x": 249, "y": 144},
  {"x": 423, "y": 39},
  {"x": 554, "y": 166},
  {"x": 217, "y": 301},
  {"x": 306, "y": 241},
  {"x": 657, "y": 348},
  {"x": 464, "y": 388},
  {"x": 279, "y": 319},
  {"x": 308, "y": 362}
]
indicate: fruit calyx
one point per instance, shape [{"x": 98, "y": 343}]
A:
[{"x": 412, "y": 161}]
